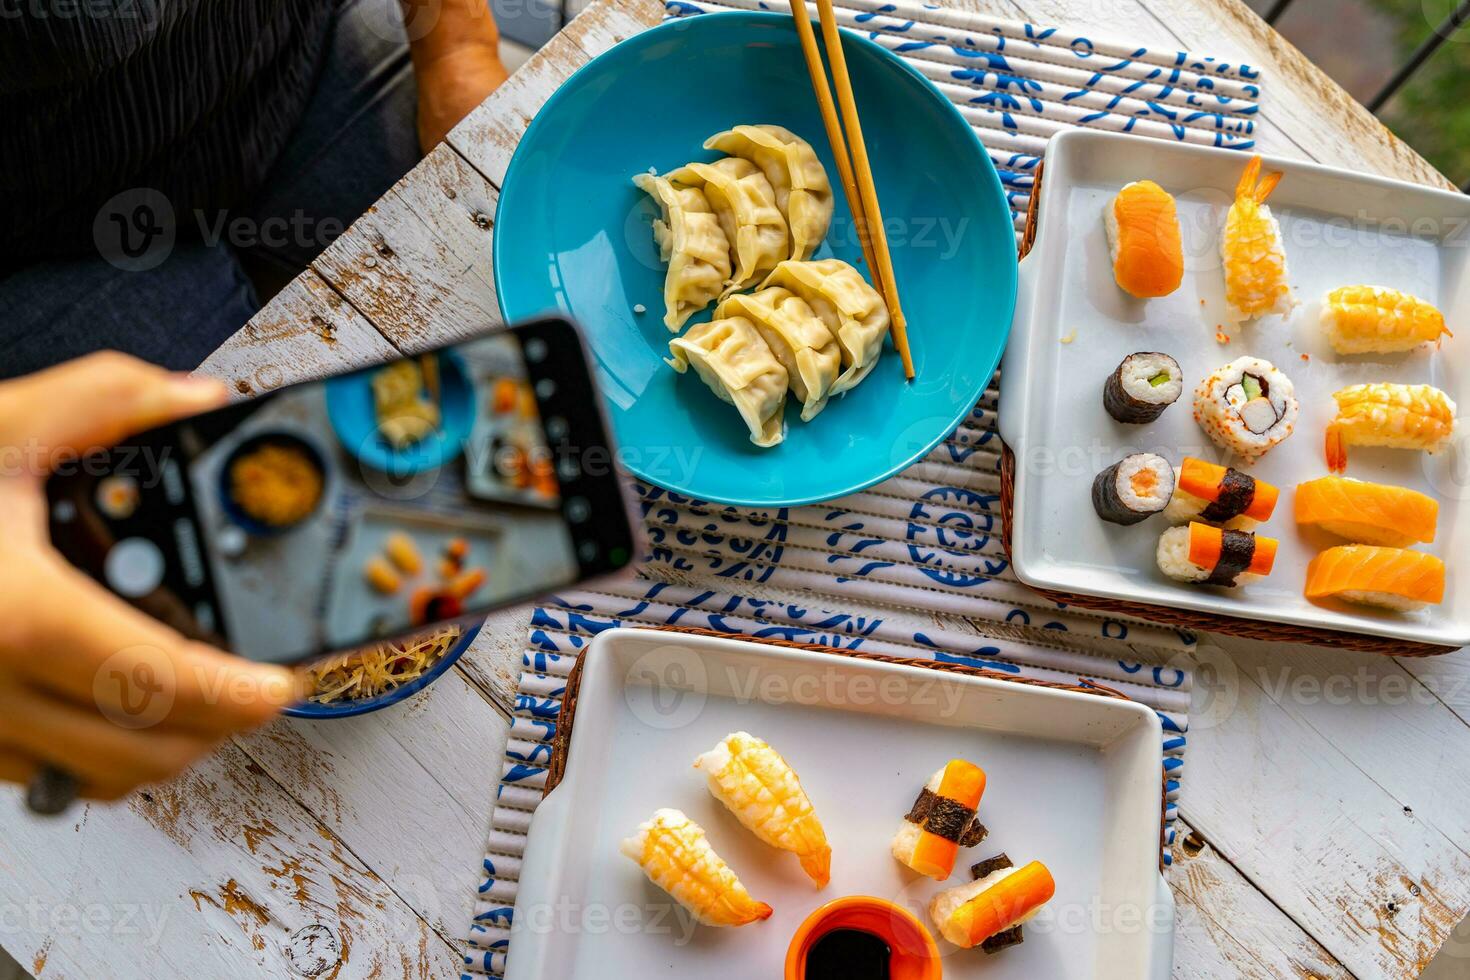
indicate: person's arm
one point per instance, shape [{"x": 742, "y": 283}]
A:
[
  {"x": 88, "y": 684},
  {"x": 455, "y": 47}
]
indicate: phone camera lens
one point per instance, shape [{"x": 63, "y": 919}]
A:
[
  {"x": 587, "y": 551},
  {"x": 556, "y": 428},
  {"x": 545, "y": 388},
  {"x": 578, "y": 510},
  {"x": 535, "y": 350},
  {"x": 64, "y": 512},
  {"x": 568, "y": 469}
]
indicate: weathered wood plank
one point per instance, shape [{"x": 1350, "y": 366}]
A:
[
  {"x": 419, "y": 285},
  {"x": 408, "y": 789},
  {"x": 488, "y": 136},
  {"x": 217, "y": 873},
  {"x": 307, "y": 331},
  {"x": 1226, "y": 928},
  {"x": 1304, "y": 816}
]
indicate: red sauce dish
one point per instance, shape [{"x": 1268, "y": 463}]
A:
[{"x": 858, "y": 928}]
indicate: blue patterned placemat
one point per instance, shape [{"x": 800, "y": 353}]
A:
[{"x": 869, "y": 571}]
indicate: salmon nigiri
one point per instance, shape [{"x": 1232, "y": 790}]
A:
[
  {"x": 1392, "y": 578},
  {"x": 1143, "y": 235},
  {"x": 672, "y": 850},
  {"x": 1370, "y": 513}
]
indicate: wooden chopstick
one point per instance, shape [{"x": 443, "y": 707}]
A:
[
  {"x": 870, "y": 221},
  {"x": 828, "y": 109}
]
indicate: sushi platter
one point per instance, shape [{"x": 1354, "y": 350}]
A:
[
  {"x": 917, "y": 796},
  {"x": 1231, "y": 389}
]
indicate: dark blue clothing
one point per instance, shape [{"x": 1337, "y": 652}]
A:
[{"x": 141, "y": 162}]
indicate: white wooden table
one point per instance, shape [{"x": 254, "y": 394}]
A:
[{"x": 1326, "y": 833}]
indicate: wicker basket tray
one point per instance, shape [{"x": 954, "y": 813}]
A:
[{"x": 1188, "y": 619}]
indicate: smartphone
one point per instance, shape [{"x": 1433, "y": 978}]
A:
[{"x": 326, "y": 516}]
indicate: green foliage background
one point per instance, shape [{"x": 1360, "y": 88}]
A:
[{"x": 1432, "y": 111}]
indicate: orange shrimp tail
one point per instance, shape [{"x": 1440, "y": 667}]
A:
[
  {"x": 1336, "y": 449},
  {"x": 1248, "y": 179},
  {"x": 1266, "y": 186},
  {"x": 818, "y": 866}
]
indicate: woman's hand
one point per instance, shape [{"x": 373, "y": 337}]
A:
[
  {"x": 456, "y": 61},
  {"x": 89, "y": 684}
]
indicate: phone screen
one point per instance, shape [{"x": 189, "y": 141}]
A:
[{"x": 328, "y": 515}]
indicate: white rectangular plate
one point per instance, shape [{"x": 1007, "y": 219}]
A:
[
  {"x": 1074, "y": 781},
  {"x": 1340, "y": 229}
]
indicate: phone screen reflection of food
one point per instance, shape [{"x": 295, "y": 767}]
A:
[
  {"x": 275, "y": 484},
  {"x": 405, "y": 415}
]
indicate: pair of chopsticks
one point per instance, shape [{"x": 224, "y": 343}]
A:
[{"x": 856, "y": 173}]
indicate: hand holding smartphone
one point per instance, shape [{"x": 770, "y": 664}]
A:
[{"x": 328, "y": 515}]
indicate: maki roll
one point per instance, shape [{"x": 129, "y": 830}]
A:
[
  {"x": 1143, "y": 386},
  {"x": 989, "y": 911},
  {"x": 1247, "y": 406},
  {"x": 942, "y": 820},
  {"x": 1219, "y": 495},
  {"x": 1133, "y": 489},
  {"x": 1208, "y": 555}
]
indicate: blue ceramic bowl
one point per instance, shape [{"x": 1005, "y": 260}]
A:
[
  {"x": 346, "y": 709},
  {"x": 354, "y": 418},
  {"x": 572, "y": 234}
]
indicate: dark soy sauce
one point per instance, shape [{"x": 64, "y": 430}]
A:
[{"x": 848, "y": 954}]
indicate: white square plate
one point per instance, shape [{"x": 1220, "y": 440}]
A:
[
  {"x": 1073, "y": 780},
  {"x": 1340, "y": 229}
]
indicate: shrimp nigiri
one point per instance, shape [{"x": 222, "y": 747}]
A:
[
  {"x": 1392, "y": 415},
  {"x": 1392, "y": 578},
  {"x": 672, "y": 851},
  {"x": 764, "y": 793},
  {"x": 1377, "y": 320},
  {"x": 1251, "y": 251},
  {"x": 1142, "y": 223}
]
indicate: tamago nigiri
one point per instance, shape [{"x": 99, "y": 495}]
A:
[
  {"x": 1143, "y": 235},
  {"x": 764, "y": 793},
  {"x": 672, "y": 850},
  {"x": 1251, "y": 251}
]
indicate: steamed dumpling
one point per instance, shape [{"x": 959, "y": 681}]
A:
[
  {"x": 744, "y": 202},
  {"x": 800, "y": 341},
  {"x": 851, "y": 309},
  {"x": 803, "y": 192},
  {"x": 691, "y": 240},
  {"x": 730, "y": 356}
]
